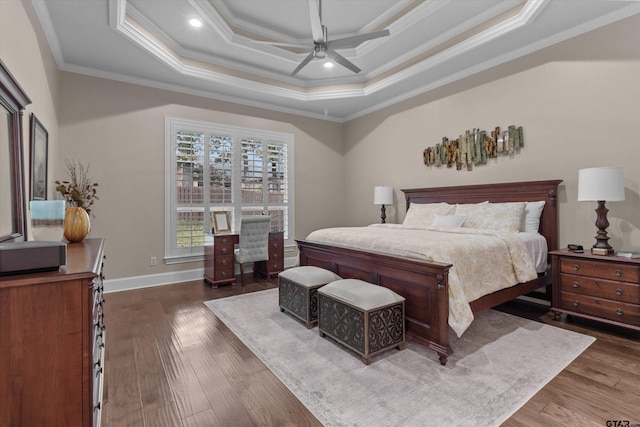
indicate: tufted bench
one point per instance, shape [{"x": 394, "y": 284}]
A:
[
  {"x": 365, "y": 317},
  {"x": 298, "y": 288}
]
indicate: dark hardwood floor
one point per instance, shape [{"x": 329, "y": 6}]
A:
[{"x": 171, "y": 362}]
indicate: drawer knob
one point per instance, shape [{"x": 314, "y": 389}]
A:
[
  {"x": 618, "y": 273},
  {"x": 575, "y": 267},
  {"x": 575, "y": 284},
  {"x": 576, "y": 303},
  {"x": 224, "y": 250},
  {"x": 224, "y": 274},
  {"x": 225, "y": 262},
  {"x": 619, "y": 312},
  {"x": 618, "y": 291}
]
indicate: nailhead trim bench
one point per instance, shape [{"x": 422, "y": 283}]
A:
[
  {"x": 297, "y": 294},
  {"x": 364, "y": 317}
]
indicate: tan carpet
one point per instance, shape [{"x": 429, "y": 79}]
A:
[{"x": 497, "y": 365}]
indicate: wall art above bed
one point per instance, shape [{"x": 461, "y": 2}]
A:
[{"x": 474, "y": 148}]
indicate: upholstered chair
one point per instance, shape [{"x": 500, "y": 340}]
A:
[{"x": 254, "y": 240}]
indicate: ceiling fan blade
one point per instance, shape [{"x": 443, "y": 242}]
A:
[
  {"x": 316, "y": 21},
  {"x": 348, "y": 41},
  {"x": 282, "y": 44},
  {"x": 335, "y": 56},
  {"x": 304, "y": 62}
]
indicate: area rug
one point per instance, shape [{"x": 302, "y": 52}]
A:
[{"x": 498, "y": 364}]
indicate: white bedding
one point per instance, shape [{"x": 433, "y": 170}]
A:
[
  {"x": 537, "y": 247},
  {"x": 484, "y": 261}
]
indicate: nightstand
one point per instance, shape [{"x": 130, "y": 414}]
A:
[{"x": 602, "y": 288}]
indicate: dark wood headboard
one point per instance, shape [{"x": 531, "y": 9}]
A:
[{"x": 530, "y": 191}]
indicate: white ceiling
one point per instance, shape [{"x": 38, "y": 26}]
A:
[{"x": 432, "y": 43}]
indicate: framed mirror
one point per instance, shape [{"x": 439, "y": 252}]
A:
[{"x": 13, "y": 100}]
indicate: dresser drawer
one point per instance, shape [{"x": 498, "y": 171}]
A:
[
  {"x": 223, "y": 245},
  {"x": 600, "y": 269},
  {"x": 613, "y": 290},
  {"x": 600, "y": 307},
  {"x": 223, "y": 268},
  {"x": 276, "y": 266},
  {"x": 275, "y": 241}
]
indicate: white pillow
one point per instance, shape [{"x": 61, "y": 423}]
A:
[
  {"x": 497, "y": 216},
  {"x": 420, "y": 215},
  {"x": 531, "y": 219},
  {"x": 468, "y": 208},
  {"x": 448, "y": 220}
]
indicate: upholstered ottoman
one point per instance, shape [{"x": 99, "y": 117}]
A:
[
  {"x": 298, "y": 287},
  {"x": 366, "y": 318}
]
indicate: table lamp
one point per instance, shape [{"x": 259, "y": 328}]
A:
[
  {"x": 382, "y": 195},
  {"x": 601, "y": 184}
]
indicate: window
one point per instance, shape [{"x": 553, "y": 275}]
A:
[{"x": 212, "y": 167}]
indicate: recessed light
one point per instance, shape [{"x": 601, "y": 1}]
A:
[
  {"x": 195, "y": 22},
  {"x": 328, "y": 64}
]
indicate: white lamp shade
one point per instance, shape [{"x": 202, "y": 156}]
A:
[
  {"x": 382, "y": 195},
  {"x": 605, "y": 183}
]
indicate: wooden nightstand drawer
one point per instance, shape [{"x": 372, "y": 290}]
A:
[
  {"x": 613, "y": 290},
  {"x": 601, "y": 269},
  {"x": 603, "y": 308}
]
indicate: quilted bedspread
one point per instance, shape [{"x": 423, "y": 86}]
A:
[{"x": 483, "y": 261}]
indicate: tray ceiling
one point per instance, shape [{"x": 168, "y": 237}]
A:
[{"x": 432, "y": 43}]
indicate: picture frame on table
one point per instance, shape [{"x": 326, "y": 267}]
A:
[
  {"x": 39, "y": 158},
  {"x": 221, "y": 223}
]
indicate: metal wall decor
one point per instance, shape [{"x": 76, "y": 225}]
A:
[{"x": 474, "y": 148}]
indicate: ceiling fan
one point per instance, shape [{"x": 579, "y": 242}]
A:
[{"x": 324, "y": 48}]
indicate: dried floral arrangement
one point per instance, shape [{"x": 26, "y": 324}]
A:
[
  {"x": 474, "y": 148},
  {"x": 80, "y": 190}
]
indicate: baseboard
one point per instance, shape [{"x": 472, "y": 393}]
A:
[{"x": 139, "y": 282}]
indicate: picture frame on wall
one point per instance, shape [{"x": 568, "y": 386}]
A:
[
  {"x": 39, "y": 159},
  {"x": 221, "y": 223}
]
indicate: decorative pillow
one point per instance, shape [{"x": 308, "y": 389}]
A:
[
  {"x": 468, "y": 208},
  {"x": 448, "y": 220},
  {"x": 497, "y": 216},
  {"x": 531, "y": 218},
  {"x": 420, "y": 215}
]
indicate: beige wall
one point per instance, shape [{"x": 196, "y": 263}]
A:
[
  {"x": 579, "y": 108},
  {"x": 26, "y": 54},
  {"x": 119, "y": 129}
]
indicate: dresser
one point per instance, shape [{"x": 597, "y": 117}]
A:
[
  {"x": 52, "y": 341},
  {"x": 603, "y": 288},
  {"x": 219, "y": 262}
]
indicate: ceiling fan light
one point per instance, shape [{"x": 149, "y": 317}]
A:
[
  {"x": 319, "y": 51},
  {"x": 328, "y": 64},
  {"x": 195, "y": 22}
]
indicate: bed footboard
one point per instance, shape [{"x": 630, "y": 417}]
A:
[{"x": 423, "y": 284}]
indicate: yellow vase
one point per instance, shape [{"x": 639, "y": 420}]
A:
[{"x": 76, "y": 224}]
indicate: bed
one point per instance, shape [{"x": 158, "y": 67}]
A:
[{"x": 425, "y": 284}]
